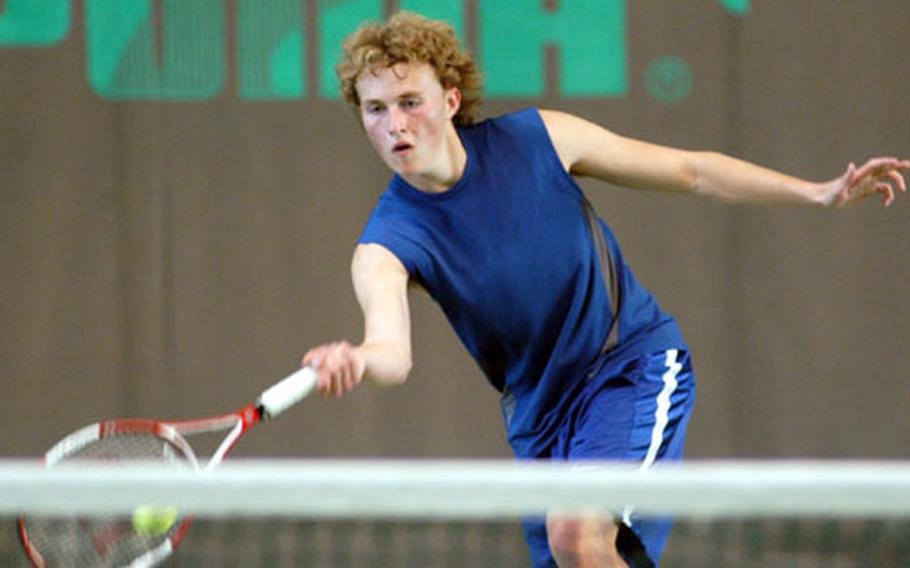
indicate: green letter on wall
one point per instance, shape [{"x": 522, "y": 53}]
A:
[
  {"x": 28, "y": 23},
  {"x": 337, "y": 19},
  {"x": 123, "y": 60},
  {"x": 590, "y": 36},
  {"x": 738, "y": 7},
  {"x": 452, "y": 11},
  {"x": 270, "y": 44}
]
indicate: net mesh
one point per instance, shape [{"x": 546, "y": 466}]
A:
[
  {"x": 818, "y": 534},
  {"x": 277, "y": 542},
  {"x": 89, "y": 541}
]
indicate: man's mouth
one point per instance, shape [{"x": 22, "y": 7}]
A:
[{"x": 401, "y": 148}]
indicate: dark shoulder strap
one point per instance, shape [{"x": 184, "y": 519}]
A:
[{"x": 608, "y": 272}]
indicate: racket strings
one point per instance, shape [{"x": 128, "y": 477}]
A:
[
  {"x": 103, "y": 541},
  {"x": 129, "y": 447}
]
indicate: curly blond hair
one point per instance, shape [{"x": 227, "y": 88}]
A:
[{"x": 410, "y": 38}]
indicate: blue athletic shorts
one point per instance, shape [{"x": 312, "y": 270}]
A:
[{"x": 635, "y": 412}]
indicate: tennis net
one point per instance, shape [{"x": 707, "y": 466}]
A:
[{"x": 420, "y": 513}]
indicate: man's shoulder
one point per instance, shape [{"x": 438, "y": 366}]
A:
[
  {"x": 513, "y": 119},
  {"x": 507, "y": 132}
]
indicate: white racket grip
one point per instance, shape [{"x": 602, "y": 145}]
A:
[{"x": 287, "y": 392}]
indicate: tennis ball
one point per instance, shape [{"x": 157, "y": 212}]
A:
[{"x": 154, "y": 521}]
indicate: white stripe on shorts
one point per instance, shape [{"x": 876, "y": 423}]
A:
[{"x": 661, "y": 417}]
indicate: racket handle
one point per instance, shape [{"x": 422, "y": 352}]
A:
[{"x": 286, "y": 393}]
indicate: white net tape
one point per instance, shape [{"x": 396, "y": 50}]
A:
[{"x": 463, "y": 489}]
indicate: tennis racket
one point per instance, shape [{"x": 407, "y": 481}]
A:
[{"x": 115, "y": 542}]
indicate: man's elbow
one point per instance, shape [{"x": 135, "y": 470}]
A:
[
  {"x": 405, "y": 364},
  {"x": 693, "y": 170},
  {"x": 394, "y": 370}
]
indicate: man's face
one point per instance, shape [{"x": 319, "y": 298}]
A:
[{"x": 407, "y": 116}]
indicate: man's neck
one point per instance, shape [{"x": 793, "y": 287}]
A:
[{"x": 447, "y": 171}]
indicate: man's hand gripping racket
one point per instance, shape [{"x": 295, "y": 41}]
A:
[{"x": 151, "y": 534}]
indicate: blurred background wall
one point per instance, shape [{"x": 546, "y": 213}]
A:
[{"x": 181, "y": 189}]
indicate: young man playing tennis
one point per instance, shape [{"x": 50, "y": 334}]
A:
[{"x": 488, "y": 219}]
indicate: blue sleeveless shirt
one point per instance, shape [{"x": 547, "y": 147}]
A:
[{"x": 527, "y": 275}]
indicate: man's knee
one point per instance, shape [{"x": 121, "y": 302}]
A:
[
  {"x": 563, "y": 534},
  {"x": 583, "y": 541}
]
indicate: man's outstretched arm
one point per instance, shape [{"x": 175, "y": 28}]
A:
[
  {"x": 587, "y": 149},
  {"x": 384, "y": 356}
]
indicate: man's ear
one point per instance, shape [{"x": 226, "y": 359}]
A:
[{"x": 453, "y": 101}]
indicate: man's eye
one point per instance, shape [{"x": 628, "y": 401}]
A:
[{"x": 410, "y": 103}]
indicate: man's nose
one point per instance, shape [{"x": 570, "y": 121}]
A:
[{"x": 397, "y": 121}]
